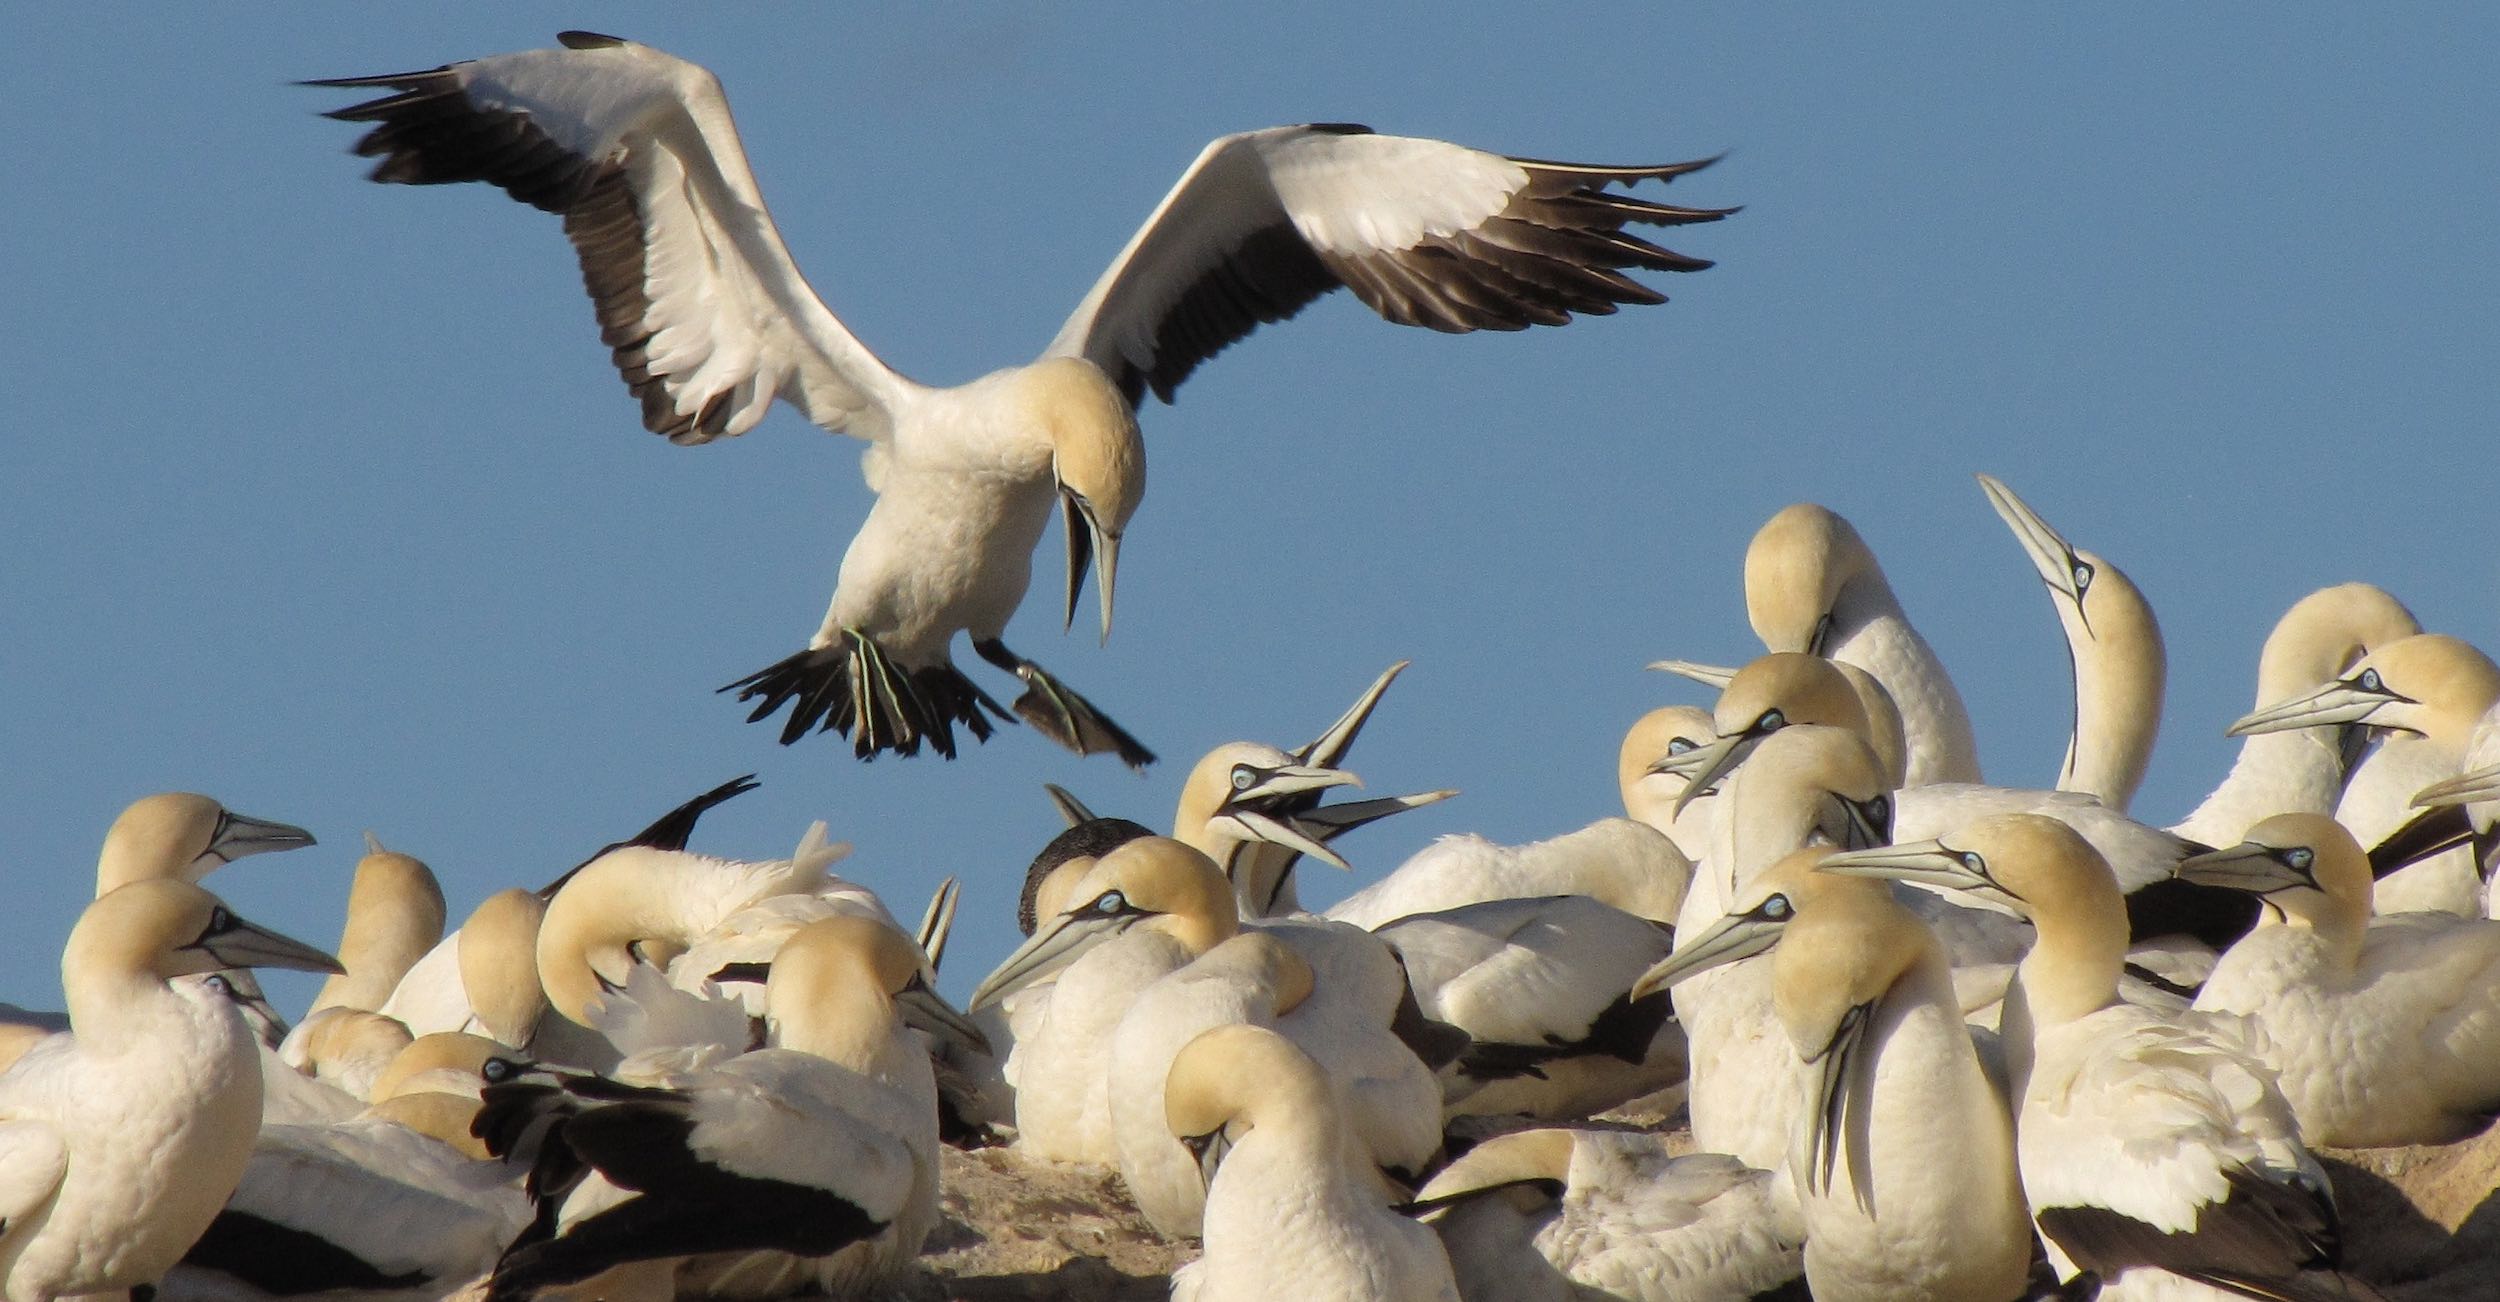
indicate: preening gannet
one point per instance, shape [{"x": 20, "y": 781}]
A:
[
  {"x": 808, "y": 1164},
  {"x": 1284, "y": 1217},
  {"x": 710, "y": 321},
  {"x": 1892, "y": 1084},
  {"x": 2302, "y": 771},
  {"x": 2152, "y": 1145},
  {"x": 1622, "y": 863},
  {"x": 1583, "y": 1215},
  {"x": 120, "y": 1139},
  {"x": 2115, "y": 647},
  {"x": 2383, "y": 1031},
  {"x": 395, "y": 914},
  {"x": 2421, "y": 698},
  {"x": 1813, "y": 585}
]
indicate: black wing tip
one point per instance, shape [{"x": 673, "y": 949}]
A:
[{"x": 573, "y": 38}]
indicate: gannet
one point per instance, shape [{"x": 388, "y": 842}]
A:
[
  {"x": 1655, "y": 796},
  {"x": 1862, "y": 990},
  {"x": 2114, "y": 646},
  {"x": 2421, "y": 698},
  {"x": 710, "y": 321},
  {"x": 2302, "y": 771},
  {"x": 2463, "y": 810},
  {"x": 120, "y": 1139},
  {"x": 1625, "y": 864},
  {"x": 1284, "y": 1217},
  {"x": 2151, "y": 1144},
  {"x": 811, "y": 1164},
  {"x": 1582, "y": 1215},
  {"x": 346, "y": 1048},
  {"x": 1813, "y": 585},
  {"x": 2383, "y": 1031},
  {"x": 1542, "y": 988},
  {"x": 395, "y": 914}
]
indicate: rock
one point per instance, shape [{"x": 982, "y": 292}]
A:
[{"x": 2422, "y": 1223}]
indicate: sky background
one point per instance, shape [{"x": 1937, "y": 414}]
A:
[{"x": 323, "y": 499}]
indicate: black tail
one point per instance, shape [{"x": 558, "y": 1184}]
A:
[{"x": 851, "y": 688}]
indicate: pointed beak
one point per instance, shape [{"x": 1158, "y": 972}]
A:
[
  {"x": 1060, "y": 942},
  {"x": 1292, "y": 780},
  {"x": 2050, "y": 555},
  {"x": 2337, "y": 702},
  {"x": 246, "y": 944},
  {"x": 1210, "y": 1153},
  {"x": 924, "y": 1010},
  {"x": 1088, "y": 541},
  {"x": 1927, "y": 863},
  {"x": 2247, "y": 866},
  {"x": 2463, "y": 789},
  {"x": 1251, "y": 825},
  {"x": 1331, "y": 746},
  {"x": 1736, "y": 936},
  {"x": 239, "y": 835},
  {"x": 1703, "y": 766},
  {"x": 1716, "y": 676},
  {"x": 1328, "y": 822}
]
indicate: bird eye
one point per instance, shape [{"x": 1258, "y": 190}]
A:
[
  {"x": 220, "y": 920},
  {"x": 1879, "y": 808},
  {"x": 1972, "y": 861},
  {"x": 1110, "y": 902},
  {"x": 1680, "y": 745},
  {"x": 1775, "y": 908},
  {"x": 498, "y": 1070},
  {"x": 2369, "y": 681},
  {"x": 2299, "y": 858},
  {"x": 1771, "y": 721},
  {"x": 1244, "y": 777},
  {"x": 220, "y": 985},
  {"x": 2083, "y": 577}
]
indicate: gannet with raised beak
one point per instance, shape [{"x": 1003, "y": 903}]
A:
[
  {"x": 2155, "y": 1149},
  {"x": 1568, "y": 1215},
  {"x": 120, "y": 1139},
  {"x": 1813, "y": 585},
  {"x": 810, "y": 1164},
  {"x": 711, "y": 321},
  {"x": 2421, "y": 698},
  {"x": 2382, "y": 1030},
  {"x": 2114, "y": 646},
  {"x": 1284, "y": 1217}
]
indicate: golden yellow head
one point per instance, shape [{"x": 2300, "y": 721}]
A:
[{"x": 1795, "y": 571}]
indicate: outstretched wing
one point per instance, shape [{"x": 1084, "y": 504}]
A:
[
  {"x": 709, "y": 318},
  {"x": 1426, "y": 232}
]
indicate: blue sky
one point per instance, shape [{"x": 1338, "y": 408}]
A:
[{"x": 324, "y": 499}]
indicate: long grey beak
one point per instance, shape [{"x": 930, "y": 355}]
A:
[
  {"x": 2050, "y": 555},
  {"x": 1736, "y": 936},
  {"x": 1327, "y": 822},
  {"x": 234, "y": 942},
  {"x": 1330, "y": 746},
  {"x": 1209, "y": 1151},
  {"x": 1251, "y": 825},
  {"x": 2337, "y": 702},
  {"x": 938, "y": 923},
  {"x": 2248, "y": 866},
  {"x": 1927, "y": 863},
  {"x": 238, "y": 835},
  {"x": 1060, "y": 942},
  {"x": 2463, "y": 789},
  {"x": 1704, "y": 765},
  {"x": 1088, "y": 540},
  {"x": 925, "y": 1010},
  {"x": 1292, "y": 780},
  {"x": 1718, "y": 676}
]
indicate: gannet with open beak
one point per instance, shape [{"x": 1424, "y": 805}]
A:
[
  {"x": 810, "y": 1164},
  {"x": 120, "y": 1139},
  {"x": 1574, "y": 1215},
  {"x": 2114, "y": 646},
  {"x": 710, "y": 321},
  {"x": 2321, "y": 637},
  {"x": 1813, "y": 585},
  {"x": 2382, "y": 1031},
  {"x": 1864, "y": 994},
  {"x": 2155, "y": 1149},
  {"x": 1284, "y": 1217},
  {"x": 2421, "y": 698}
]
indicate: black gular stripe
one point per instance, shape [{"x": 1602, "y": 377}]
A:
[
  {"x": 287, "y": 1262},
  {"x": 684, "y": 1206}
]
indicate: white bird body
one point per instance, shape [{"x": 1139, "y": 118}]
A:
[
  {"x": 2379, "y": 799},
  {"x": 2380, "y": 1030},
  {"x": 1630, "y": 1221},
  {"x": 1063, "y": 1105},
  {"x": 711, "y": 321},
  {"x": 1627, "y": 864},
  {"x": 1284, "y": 1217}
]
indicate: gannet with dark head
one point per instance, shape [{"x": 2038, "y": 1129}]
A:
[
  {"x": 2420, "y": 698},
  {"x": 1284, "y": 1217},
  {"x": 2155, "y": 1149},
  {"x": 2381, "y": 1030},
  {"x": 120, "y": 1139},
  {"x": 711, "y": 321},
  {"x": 1813, "y": 585}
]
